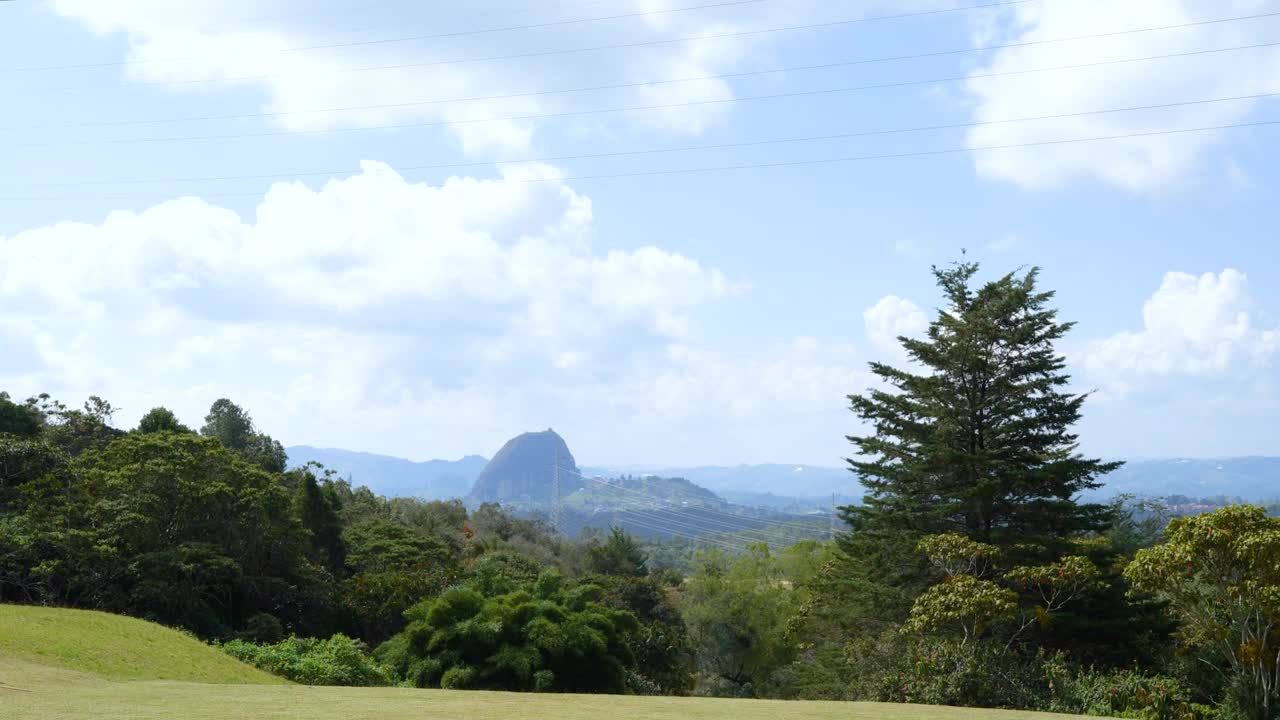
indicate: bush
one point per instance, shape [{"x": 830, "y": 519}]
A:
[
  {"x": 548, "y": 636},
  {"x": 1119, "y": 693},
  {"x": 895, "y": 667},
  {"x": 312, "y": 661}
]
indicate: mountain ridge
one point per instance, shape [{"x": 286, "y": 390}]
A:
[{"x": 1251, "y": 477}]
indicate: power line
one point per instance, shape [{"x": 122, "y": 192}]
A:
[
  {"x": 685, "y": 148},
  {"x": 694, "y": 530},
  {"x": 686, "y": 536},
  {"x": 648, "y": 83},
  {"x": 692, "y": 103},
  {"x": 593, "y": 48},
  {"x": 819, "y": 161},
  {"x": 698, "y": 524},
  {"x": 891, "y": 156},
  {"x": 646, "y": 496},
  {"x": 686, "y": 529},
  {"x": 411, "y": 38}
]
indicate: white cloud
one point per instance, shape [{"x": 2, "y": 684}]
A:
[
  {"x": 890, "y": 318},
  {"x": 346, "y": 288},
  {"x": 206, "y": 40},
  {"x": 390, "y": 316},
  {"x": 1193, "y": 327},
  {"x": 1136, "y": 164}
]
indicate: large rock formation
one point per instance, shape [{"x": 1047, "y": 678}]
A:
[{"x": 523, "y": 471}]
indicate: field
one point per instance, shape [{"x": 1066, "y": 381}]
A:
[{"x": 64, "y": 664}]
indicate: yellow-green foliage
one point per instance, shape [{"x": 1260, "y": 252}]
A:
[{"x": 115, "y": 647}]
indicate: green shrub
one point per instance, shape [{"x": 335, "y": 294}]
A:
[
  {"x": 548, "y": 635},
  {"x": 895, "y": 667},
  {"x": 312, "y": 661},
  {"x": 1119, "y": 693}
]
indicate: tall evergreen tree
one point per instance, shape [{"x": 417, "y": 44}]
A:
[{"x": 978, "y": 439}]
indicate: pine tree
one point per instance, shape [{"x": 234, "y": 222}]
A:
[{"x": 978, "y": 441}]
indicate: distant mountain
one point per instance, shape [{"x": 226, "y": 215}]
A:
[
  {"x": 396, "y": 477},
  {"x": 779, "y": 486},
  {"x": 1248, "y": 478},
  {"x": 789, "y": 481},
  {"x": 524, "y": 471},
  {"x": 644, "y": 493}
]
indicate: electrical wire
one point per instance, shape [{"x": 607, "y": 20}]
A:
[
  {"x": 798, "y": 163},
  {"x": 411, "y": 38},
  {"x": 648, "y": 83},
  {"x": 685, "y": 148},
  {"x": 578, "y": 113},
  {"x": 796, "y": 526},
  {"x": 567, "y": 51}
]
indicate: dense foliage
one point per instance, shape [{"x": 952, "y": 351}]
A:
[
  {"x": 547, "y": 635},
  {"x": 972, "y": 574},
  {"x": 312, "y": 661}
]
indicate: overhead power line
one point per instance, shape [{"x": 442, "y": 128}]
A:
[
  {"x": 567, "y": 51},
  {"x": 818, "y": 161},
  {"x": 410, "y": 38},
  {"x": 648, "y": 497},
  {"x": 714, "y": 542},
  {"x": 677, "y": 149},
  {"x": 901, "y": 155},
  {"x": 691, "y": 103},
  {"x": 649, "y": 83}
]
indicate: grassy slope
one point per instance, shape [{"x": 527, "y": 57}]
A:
[
  {"x": 116, "y": 647},
  {"x": 38, "y": 645}
]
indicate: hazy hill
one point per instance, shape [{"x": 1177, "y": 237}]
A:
[
  {"x": 787, "y": 481},
  {"x": 392, "y": 476},
  {"x": 791, "y": 486},
  {"x": 1247, "y": 478},
  {"x": 523, "y": 471}
]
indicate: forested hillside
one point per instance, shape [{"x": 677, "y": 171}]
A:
[{"x": 971, "y": 573}]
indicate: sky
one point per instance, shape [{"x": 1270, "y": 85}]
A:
[{"x": 675, "y": 231}]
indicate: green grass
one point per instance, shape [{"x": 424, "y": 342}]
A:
[
  {"x": 69, "y": 664},
  {"x": 116, "y": 647}
]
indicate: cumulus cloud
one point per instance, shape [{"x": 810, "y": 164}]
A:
[
  {"x": 408, "y": 318},
  {"x": 890, "y": 318},
  {"x": 1193, "y": 327},
  {"x": 206, "y": 46},
  {"x": 1136, "y": 164},
  {"x": 337, "y": 290}
]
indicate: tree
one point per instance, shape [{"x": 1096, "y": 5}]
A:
[
  {"x": 18, "y": 419},
  {"x": 978, "y": 441},
  {"x": 319, "y": 509},
  {"x": 738, "y": 611},
  {"x": 170, "y": 506},
  {"x": 233, "y": 427},
  {"x": 1220, "y": 573},
  {"x": 392, "y": 568},
  {"x": 663, "y": 655},
  {"x": 161, "y": 419},
  {"x": 619, "y": 555},
  {"x": 974, "y": 595},
  {"x": 229, "y": 424}
]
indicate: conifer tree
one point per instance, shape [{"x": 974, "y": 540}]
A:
[{"x": 976, "y": 438}]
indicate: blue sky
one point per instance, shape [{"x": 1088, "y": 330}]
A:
[{"x": 203, "y": 198}]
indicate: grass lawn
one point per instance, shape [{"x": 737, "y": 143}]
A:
[
  {"x": 116, "y": 647},
  {"x": 73, "y": 664}
]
